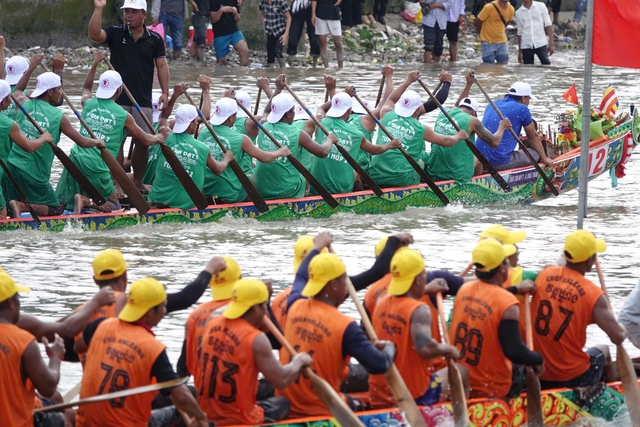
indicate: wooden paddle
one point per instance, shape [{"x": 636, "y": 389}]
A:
[
  {"x": 23, "y": 198},
  {"x": 399, "y": 389},
  {"x": 255, "y": 109},
  {"x": 313, "y": 181},
  {"x": 379, "y": 97},
  {"x": 71, "y": 394},
  {"x": 332, "y": 400},
  {"x": 485, "y": 163},
  {"x": 115, "y": 395},
  {"x": 424, "y": 175},
  {"x": 625, "y": 366},
  {"x": 183, "y": 176},
  {"x": 75, "y": 172},
  {"x": 535, "y": 417},
  {"x": 544, "y": 176},
  {"x": 458, "y": 398},
  {"x": 466, "y": 270},
  {"x": 363, "y": 175},
  {"x": 120, "y": 175},
  {"x": 246, "y": 183}
]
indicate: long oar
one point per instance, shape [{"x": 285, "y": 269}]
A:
[
  {"x": 23, "y": 198},
  {"x": 466, "y": 270},
  {"x": 183, "y": 176},
  {"x": 127, "y": 185},
  {"x": 458, "y": 398},
  {"x": 115, "y": 395},
  {"x": 332, "y": 400},
  {"x": 535, "y": 417},
  {"x": 295, "y": 162},
  {"x": 625, "y": 367},
  {"x": 379, "y": 97},
  {"x": 68, "y": 396},
  {"x": 75, "y": 172},
  {"x": 535, "y": 164},
  {"x": 488, "y": 166},
  {"x": 424, "y": 175},
  {"x": 246, "y": 183},
  {"x": 398, "y": 387},
  {"x": 363, "y": 175},
  {"x": 255, "y": 109}
]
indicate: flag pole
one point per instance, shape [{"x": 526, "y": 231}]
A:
[{"x": 586, "y": 118}]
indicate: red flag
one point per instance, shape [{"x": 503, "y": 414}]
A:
[
  {"x": 571, "y": 95},
  {"x": 616, "y": 29}
]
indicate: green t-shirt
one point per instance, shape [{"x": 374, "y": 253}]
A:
[
  {"x": 305, "y": 156},
  {"x": 36, "y": 166},
  {"x": 167, "y": 188},
  {"x": 11, "y": 111},
  {"x": 245, "y": 160},
  {"x": 226, "y": 185},
  {"x": 455, "y": 162},
  {"x": 150, "y": 171},
  {"x": 364, "y": 159},
  {"x": 333, "y": 171},
  {"x": 5, "y": 141},
  {"x": 391, "y": 168},
  {"x": 280, "y": 179}
]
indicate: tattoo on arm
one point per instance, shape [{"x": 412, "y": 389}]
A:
[{"x": 484, "y": 133}]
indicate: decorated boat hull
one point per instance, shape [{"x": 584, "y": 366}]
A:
[{"x": 527, "y": 187}]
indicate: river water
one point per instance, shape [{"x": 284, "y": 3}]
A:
[{"x": 57, "y": 266}]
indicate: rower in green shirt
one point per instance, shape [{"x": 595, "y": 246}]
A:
[
  {"x": 108, "y": 121},
  {"x": 19, "y": 69},
  {"x": 399, "y": 116},
  {"x": 225, "y": 187},
  {"x": 33, "y": 170}
]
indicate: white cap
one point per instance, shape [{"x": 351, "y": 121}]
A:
[
  {"x": 135, "y": 4},
  {"x": 185, "y": 114},
  {"x": 243, "y": 98},
  {"x": 44, "y": 82},
  {"x": 340, "y": 104},
  {"x": 358, "y": 109},
  {"x": 15, "y": 67},
  {"x": 408, "y": 103},
  {"x": 5, "y": 90},
  {"x": 156, "y": 107},
  {"x": 225, "y": 108},
  {"x": 109, "y": 83},
  {"x": 470, "y": 103},
  {"x": 280, "y": 105},
  {"x": 301, "y": 114},
  {"x": 521, "y": 89}
]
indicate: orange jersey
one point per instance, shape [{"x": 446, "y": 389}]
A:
[
  {"x": 477, "y": 312},
  {"x": 102, "y": 312},
  {"x": 561, "y": 310},
  {"x": 227, "y": 375},
  {"x": 376, "y": 291},
  {"x": 194, "y": 331},
  {"x": 16, "y": 396},
  {"x": 316, "y": 328},
  {"x": 392, "y": 321},
  {"x": 279, "y": 306},
  {"x": 120, "y": 357}
]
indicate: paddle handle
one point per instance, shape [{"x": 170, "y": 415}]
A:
[
  {"x": 527, "y": 320},
  {"x": 380, "y": 89},
  {"x": 255, "y": 109},
  {"x": 443, "y": 319},
  {"x": 603, "y": 285},
  {"x": 308, "y": 372},
  {"x": 304, "y": 107},
  {"x": 366, "y": 322},
  {"x": 466, "y": 270}
]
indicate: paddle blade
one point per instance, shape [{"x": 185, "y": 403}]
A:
[
  {"x": 630, "y": 385},
  {"x": 192, "y": 190},
  {"x": 252, "y": 191},
  {"x": 458, "y": 397},
  {"x": 535, "y": 418},
  {"x": 127, "y": 185},
  {"x": 403, "y": 397},
  {"x": 333, "y": 401}
]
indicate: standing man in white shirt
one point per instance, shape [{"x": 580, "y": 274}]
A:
[
  {"x": 455, "y": 17},
  {"x": 434, "y": 25},
  {"x": 534, "y": 26}
]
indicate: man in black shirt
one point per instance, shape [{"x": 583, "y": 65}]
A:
[
  {"x": 301, "y": 14},
  {"x": 325, "y": 16},
  {"x": 135, "y": 51},
  {"x": 225, "y": 15}
]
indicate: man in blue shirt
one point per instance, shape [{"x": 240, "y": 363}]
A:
[{"x": 515, "y": 107}]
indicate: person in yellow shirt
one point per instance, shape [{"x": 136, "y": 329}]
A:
[{"x": 491, "y": 25}]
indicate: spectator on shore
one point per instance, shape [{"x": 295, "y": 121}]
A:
[
  {"x": 171, "y": 14},
  {"x": 224, "y": 18},
  {"x": 350, "y": 14},
  {"x": 325, "y": 16},
  {"x": 434, "y": 25},
  {"x": 379, "y": 10},
  {"x": 367, "y": 12},
  {"x": 554, "y": 6},
  {"x": 276, "y": 20},
  {"x": 200, "y": 19},
  {"x": 491, "y": 25},
  {"x": 580, "y": 7},
  {"x": 455, "y": 17},
  {"x": 534, "y": 25},
  {"x": 301, "y": 14}
]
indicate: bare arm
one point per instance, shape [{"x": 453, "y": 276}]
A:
[
  {"x": 425, "y": 346},
  {"x": 318, "y": 150},
  {"x": 24, "y": 80},
  {"x": 467, "y": 87},
  {"x": 87, "y": 88},
  {"x": 534, "y": 140},
  {"x": 184, "y": 401},
  {"x": 137, "y": 132},
  {"x": 163, "y": 78},
  {"x": 604, "y": 318},
  {"x": 262, "y": 156},
  {"x": 2, "y": 44},
  {"x": 397, "y": 92},
  {"x": 67, "y": 128},
  {"x": 218, "y": 167},
  {"x": 277, "y": 375},
  {"x": 26, "y": 144},
  {"x": 445, "y": 141},
  {"x": 96, "y": 33},
  {"x": 374, "y": 149},
  {"x": 478, "y": 24},
  {"x": 492, "y": 139},
  {"x": 44, "y": 378},
  {"x": 205, "y": 98}
]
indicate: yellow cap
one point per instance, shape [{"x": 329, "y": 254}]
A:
[
  {"x": 143, "y": 295},
  {"x": 581, "y": 245},
  {"x": 505, "y": 236},
  {"x": 303, "y": 246},
  {"x": 246, "y": 293},
  {"x": 383, "y": 242},
  {"x": 322, "y": 269},
  {"x": 223, "y": 281},
  {"x": 405, "y": 266},
  {"x": 490, "y": 253},
  {"x": 109, "y": 264},
  {"x": 8, "y": 287}
]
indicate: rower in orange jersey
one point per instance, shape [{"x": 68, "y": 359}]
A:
[
  {"x": 234, "y": 351},
  {"x": 404, "y": 319},
  {"x": 315, "y": 325},
  {"x": 564, "y": 305},
  {"x": 123, "y": 354},
  {"x": 484, "y": 327}
]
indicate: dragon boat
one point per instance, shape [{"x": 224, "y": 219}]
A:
[{"x": 605, "y": 154}]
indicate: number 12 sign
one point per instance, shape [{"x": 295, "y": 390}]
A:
[{"x": 597, "y": 160}]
